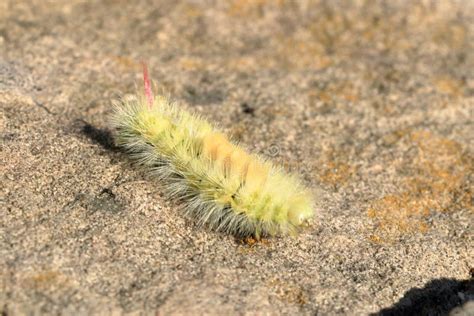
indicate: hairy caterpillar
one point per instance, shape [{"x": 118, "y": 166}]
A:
[{"x": 219, "y": 184}]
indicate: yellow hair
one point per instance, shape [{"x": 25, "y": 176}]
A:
[{"x": 219, "y": 183}]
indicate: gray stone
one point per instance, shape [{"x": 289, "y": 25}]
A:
[{"x": 370, "y": 102}]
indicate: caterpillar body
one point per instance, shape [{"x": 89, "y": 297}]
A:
[{"x": 219, "y": 184}]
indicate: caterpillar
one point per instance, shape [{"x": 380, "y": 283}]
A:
[{"x": 218, "y": 183}]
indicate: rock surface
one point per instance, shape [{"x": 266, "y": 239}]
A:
[{"x": 371, "y": 102}]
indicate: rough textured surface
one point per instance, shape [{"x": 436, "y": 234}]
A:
[{"x": 370, "y": 101}]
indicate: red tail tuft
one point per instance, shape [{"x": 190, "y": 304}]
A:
[{"x": 147, "y": 84}]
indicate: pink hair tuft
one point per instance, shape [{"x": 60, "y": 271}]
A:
[{"x": 147, "y": 84}]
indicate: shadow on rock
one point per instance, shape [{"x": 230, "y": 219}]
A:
[
  {"x": 438, "y": 297},
  {"x": 100, "y": 136}
]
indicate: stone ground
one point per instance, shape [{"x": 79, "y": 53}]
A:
[{"x": 371, "y": 102}]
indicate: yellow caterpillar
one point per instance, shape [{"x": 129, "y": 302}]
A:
[{"x": 219, "y": 183}]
